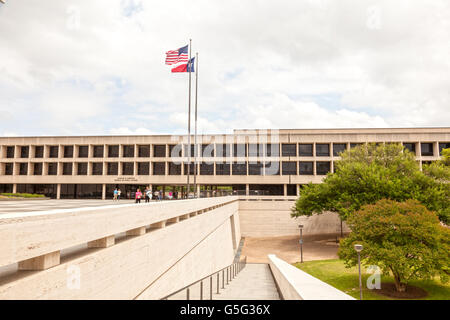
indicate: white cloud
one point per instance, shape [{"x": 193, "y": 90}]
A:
[{"x": 98, "y": 67}]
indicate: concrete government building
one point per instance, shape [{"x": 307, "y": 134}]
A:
[{"x": 263, "y": 162}]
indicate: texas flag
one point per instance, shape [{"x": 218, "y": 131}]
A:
[{"x": 185, "y": 67}]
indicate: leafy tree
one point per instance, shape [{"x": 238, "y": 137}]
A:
[
  {"x": 403, "y": 238},
  {"x": 368, "y": 173}
]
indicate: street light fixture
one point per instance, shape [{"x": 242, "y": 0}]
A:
[
  {"x": 301, "y": 242},
  {"x": 358, "y": 249}
]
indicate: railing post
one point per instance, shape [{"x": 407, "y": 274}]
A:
[
  {"x": 227, "y": 275},
  {"x": 210, "y": 288},
  {"x": 218, "y": 283},
  {"x": 187, "y": 294},
  {"x": 201, "y": 290},
  {"x": 223, "y": 279}
]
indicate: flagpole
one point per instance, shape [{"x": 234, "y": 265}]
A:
[
  {"x": 195, "y": 135},
  {"x": 189, "y": 125}
]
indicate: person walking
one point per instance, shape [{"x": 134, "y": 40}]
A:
[
  {"x": 157, "y": 195},
  {"x": 118, "y": 194},
  {"x": 147, "y": 195},
  {"x": 115, "y": 194},
  {"x": 138, "y": 196}
]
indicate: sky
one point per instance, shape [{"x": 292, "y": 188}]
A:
[{"x": 97, "y": 67}]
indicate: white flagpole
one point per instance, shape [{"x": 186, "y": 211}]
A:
[
  {"x": 195, "y": 136},
  {"x": 189, "y": 124}
]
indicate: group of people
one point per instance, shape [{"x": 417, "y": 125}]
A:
[{"x": 147, "y": 195}]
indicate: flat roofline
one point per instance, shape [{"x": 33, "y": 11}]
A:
[{"x": 242, "y": 131}]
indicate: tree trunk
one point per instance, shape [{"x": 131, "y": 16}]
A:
[{"x": 399, "y": 285}]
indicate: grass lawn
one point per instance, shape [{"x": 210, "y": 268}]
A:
[{"x": 336, "y": 274}]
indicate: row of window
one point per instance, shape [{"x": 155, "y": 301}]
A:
[
  {"x": 207, "y": 150},
  {"x": 159, "y": 168}
]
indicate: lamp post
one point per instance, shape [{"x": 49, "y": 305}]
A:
[
  {"x": 358, "y": 249},
  {"x": 301, "y": 242}
]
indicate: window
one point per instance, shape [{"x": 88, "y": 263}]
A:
[
  {"x": 10, "y": 152},
  {"x": 255, "y": 169},
  {"x": 288, "y": 150},
  {"x": 305, "y": 150},
  {"x": 322, "y": 150},
  {"x": 239, "y": 150},
  {"x": 206, "y": 169},
  {"x": 24, "y": 151},
  {"x": 191, "y": 168},
  {"x": 323, "y": 167},
  {"x": 255, "y": 150},
  {"x": 272, "y": 150},
  {"x": 113, "y": 151},
  {"x": 174, "y": 169},
  {"x": 53, "y": 152},
  {"x": 52, "y": 169},
  {"x": 338, "y": 148},
  {"x": 82, "y": 169},
  {"x": 223, "y": 169},
  {"x": 186, "y": 150},
  {"x": 97, "y": 168},
  {"x": 175, "y": 150},
  {"x": 239, "y": 169},
  {"x": 426, "y": 149},
  {"x": 207, "y": 150},
  {"x": 410, "y": 146},
  {"x": 112, "y": 169},
  {"x": 159, "y": 168},
  {"x": 306, "y": 168},
  {"x": 223, "y": 150},
  {"x": 289, "y": 168},
  {"x": 67, "y": 168},
  {"x": 272, "y": 168},
  {"x": 143, "y": 168},
  {"x": 128, "y": 151},
  {"x": 98, "y": 151},
  {"x": 37, "y": 169},
  {"x": 354, "y": 145},
  {"x": 9, "y": 169},
  {"x": 68, "y": 151},
  {"x": 83, "y": 151},
  {"x": 23, "y": 169},
  {"x": 144, "y": 151},
  {"x": 159, "y": 151},
  {"x": 442, "y": 146},
  {"x": 39, "y": 152},
  {"x": 127, "y": 168}
]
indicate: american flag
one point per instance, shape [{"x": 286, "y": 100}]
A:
[{"x": 179, "y": 55}]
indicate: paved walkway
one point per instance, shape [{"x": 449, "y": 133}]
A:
[
  {"x": 12, "y": 206},
  {"x": 254, "y": 282},
  {"x": 320, "y": 247}
]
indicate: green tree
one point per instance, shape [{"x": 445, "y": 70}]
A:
[
  {"x": 403, "y": 238},
  {"x": 368, "y": 173}
]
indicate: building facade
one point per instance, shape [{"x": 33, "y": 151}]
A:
[{"x": 271, "y": 162}]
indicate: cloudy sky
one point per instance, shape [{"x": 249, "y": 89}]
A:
[{"x": 97, "y": 67}]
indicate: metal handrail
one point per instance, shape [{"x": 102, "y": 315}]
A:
[{"x": 231, "y": 272}]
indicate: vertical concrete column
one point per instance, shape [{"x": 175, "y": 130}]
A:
[
  {"x": 58, "y": 191},
  {"x": 247, "y": 189},
  {"x": 14, "y": 188},
  {"x": 285, "y": 189},
  {"x": 436, "y": 149},
  {"x": 297, "y": 188},
  {"x": 104, "y": 191},
  {"x": 198, "y": 190}
]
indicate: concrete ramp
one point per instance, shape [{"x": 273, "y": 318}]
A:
[{"x": 254, "y": 282}]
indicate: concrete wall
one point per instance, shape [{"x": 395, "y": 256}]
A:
[
  {"x": 270, "y": 216},
  {"x": 295, "y": 284},
  {"x": 148, "y": 263}
]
